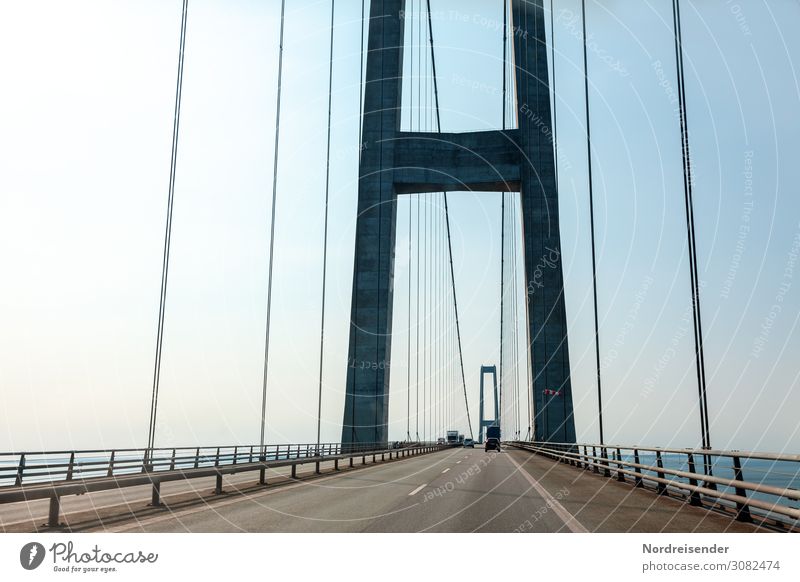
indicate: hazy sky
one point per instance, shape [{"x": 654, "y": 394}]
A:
[{"x": 85, "y": 132}]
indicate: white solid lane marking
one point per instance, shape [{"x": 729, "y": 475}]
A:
[
  {"x": 446, "y": 470},
  {"x": 457, "y": 462},
  {"x": 569, "y": 520},
  {"x": 417, "y": 490}
]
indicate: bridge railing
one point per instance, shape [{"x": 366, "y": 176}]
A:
[
  {"x": 54, "y": 474},
  {"x": 53, "y": 466},
  {"x": 752, "y": 486}
]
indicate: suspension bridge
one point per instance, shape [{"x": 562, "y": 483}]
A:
[{"x": 543, "y": 480}]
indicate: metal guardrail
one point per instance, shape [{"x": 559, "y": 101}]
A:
[
  {"x": 49, "y": 466},
  {"x": 675, "y": 471},
  {"x": 27, "y": 476}
]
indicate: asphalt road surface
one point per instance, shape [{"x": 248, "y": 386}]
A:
[{"x": 457, "y": 490}]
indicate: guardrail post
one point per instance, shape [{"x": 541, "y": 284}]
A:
[
  {"x": 155, "y": 498},
  {"x": 708, "y": 470},
  {"x": 620, "y": 474},
  {"x": 336, "y": 464},
  {"x": 197, "y": 458},
  {"x": 660, "y": 487},
  {"x": 55, "y": 509},
  {"x": 20, "y": 470},
  {"x": 172, "y": 461},
  {"x": 72, "y": 464},
  {"x": 218, "y": 487},
  {"x": 251, "y": 454},
  {"x": 316, "y": 467},
  {"x": 637, "y": 469},
  {"x": 743, "y": 509},
  {"x": 373, "y": 457},
  {"x": 216, "y": 462},
  {"x": 262, "y": 472},
  {"x": 363, "y": 459},
  {"x": 594, "y": 460},
  {"x": 236, "y": 454},
  {"x": 294, "y": 471},
  {"x": 110, "y": 464},
  {"x": 694, "y": 496},
  {"x": 604, "y": 454},
  {"x": 586, "y": 464}
]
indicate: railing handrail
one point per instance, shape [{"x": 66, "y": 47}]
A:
[
  {"x": 30, "y": 467},
  {"x": 241, "y": 463},
  {"x": 791, "y": 457},
  {"x": 181, "y": 448},
  {"x": 695, "y": 484},
  {"x": 758, "y": 487}
]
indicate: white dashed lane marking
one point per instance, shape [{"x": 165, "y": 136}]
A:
[{"x": 417, "y": 490}]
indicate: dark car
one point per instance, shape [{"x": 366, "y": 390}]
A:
[{"x": 492, "y": 444}]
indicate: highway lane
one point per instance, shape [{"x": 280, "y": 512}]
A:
[{"x": 451, "y": 491}]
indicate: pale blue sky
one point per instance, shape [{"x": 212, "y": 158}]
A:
[{"x": 85, "y": 131}]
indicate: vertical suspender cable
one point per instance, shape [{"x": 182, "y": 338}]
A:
[
  {"x": 591, "y": 220},
  {"x": 272, "y": 226},
  {"x": 690, "y": 232},
  {"x": 416, "y": 343},
  {"x": 408, "y": 328},
  {"x": 502, "y": 212},
  {"x": 361, "y": 81},
  {"x": 425, "y": 327},
  {"x": 447, "y": 223},
  {"x": 419, "y": 216},
  {"x": 325, "y": 235},
  {"x": 410, "y": 231},
  {"x": 502, "y": 293},
  {"x": 416, "y": 14},
  {"x": 555, "y": 104},
  {"x": 435, "y": 315},
  {"x": 151, "y": 434},
  {"x": 360, "y": 153}
]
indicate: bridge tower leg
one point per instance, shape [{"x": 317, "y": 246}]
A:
[
  {"x": 540, "y": 220},
  {"x": 394, "y": 162},
  {"x": 366, "y": 409}
]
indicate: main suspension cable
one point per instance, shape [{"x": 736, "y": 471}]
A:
[{"x": 151, "y": 434}]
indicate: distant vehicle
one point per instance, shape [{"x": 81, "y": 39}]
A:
[
  {"x": 493, "y": 432},
  {"x": 492, "y": 444},
  {"x": 469, "y": 443},
  {"x": 461, "y": 439},
  {"x": 452, "y": 437},
  {"x": 397, "y": 445},
  {"x": 440, "y": 441}
]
